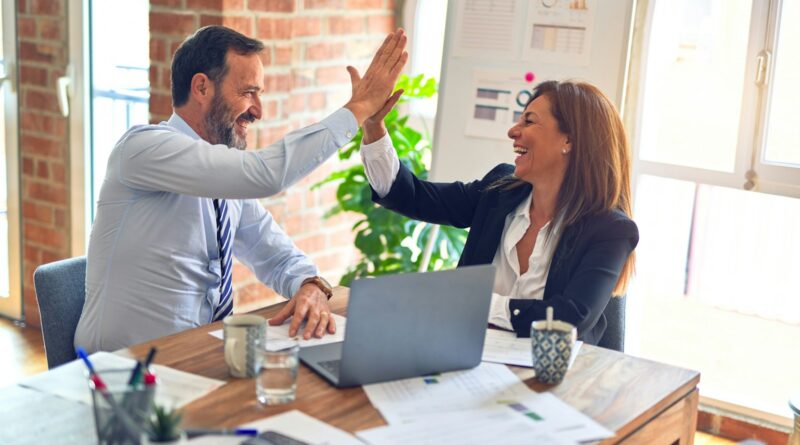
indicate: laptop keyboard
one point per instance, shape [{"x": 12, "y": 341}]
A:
[{"x": 331, "y": 366}]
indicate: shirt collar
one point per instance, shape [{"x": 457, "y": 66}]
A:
[
  {"x": 523, "y": 207},
  {"x": 178, "y": 123}
]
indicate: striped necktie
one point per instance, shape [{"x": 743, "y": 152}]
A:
[{"x": 225, "y": 306}]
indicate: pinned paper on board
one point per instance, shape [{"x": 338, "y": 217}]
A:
[
  {"x": 487, "y": 26},
  {"x": 498, "y": 101},
  {"x": 560, "y": 31}
]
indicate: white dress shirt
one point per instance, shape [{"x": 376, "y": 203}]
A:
[
  {"x": 153, "y": 263},
  {"x": 381, "y": 166}
]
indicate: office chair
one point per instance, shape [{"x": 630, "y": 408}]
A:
[
  {"x": 614, "y": 336},
  {"x": 60, "y": 291}
]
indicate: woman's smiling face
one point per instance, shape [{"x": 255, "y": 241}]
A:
[{"x": 538, "y": 143}]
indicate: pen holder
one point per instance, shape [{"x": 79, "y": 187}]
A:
[{"x": 120, "y": 410}]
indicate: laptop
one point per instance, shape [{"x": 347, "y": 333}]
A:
[{"x": 408, "y": 325}]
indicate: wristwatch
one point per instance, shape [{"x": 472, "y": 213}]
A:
[{"x": 321, "y": 283}]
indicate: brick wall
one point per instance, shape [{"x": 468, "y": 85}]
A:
[
  {"x": 308, "y": 44},
  {"x": 44, "y": 149}
]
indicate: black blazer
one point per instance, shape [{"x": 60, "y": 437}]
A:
[{"x": 586, "y": 263}]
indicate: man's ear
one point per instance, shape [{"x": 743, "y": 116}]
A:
[{"x": 202, "y": 88}]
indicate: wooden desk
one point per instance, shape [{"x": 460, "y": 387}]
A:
[{"x": 642, "y": 401}]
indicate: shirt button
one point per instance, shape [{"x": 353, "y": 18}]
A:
[
  {"x": 516, "y": 312},
  {"x": 349, "y": 134}
]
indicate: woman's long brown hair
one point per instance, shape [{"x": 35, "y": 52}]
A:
[{"x": 598, "y": 174}]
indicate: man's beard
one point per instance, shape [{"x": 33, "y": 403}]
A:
[{"x": 220, "y": 124}]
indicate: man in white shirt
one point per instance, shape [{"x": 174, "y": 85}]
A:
[{"x": 178, "y": 199}]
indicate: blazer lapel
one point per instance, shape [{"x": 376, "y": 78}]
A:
[{"x": 485, "y": 236}]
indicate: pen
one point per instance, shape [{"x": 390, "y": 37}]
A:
[
  {"x": 135, "y": 374},
  {"x": 194, "y": 432},
  {"x": 149, "y": 359}
]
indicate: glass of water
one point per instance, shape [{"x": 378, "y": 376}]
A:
[{"x": 276, "y": 383}]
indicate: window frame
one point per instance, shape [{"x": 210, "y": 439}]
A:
[{"x": 12, "y": 305}]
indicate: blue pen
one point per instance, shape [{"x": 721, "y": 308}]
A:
[
  {"x": 194, "y": 432},
  {"x": 83, "y": 356}
]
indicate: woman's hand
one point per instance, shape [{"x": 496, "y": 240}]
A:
[{"x": 373, "y": 127}]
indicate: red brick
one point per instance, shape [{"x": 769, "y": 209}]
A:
[
  {"x": 324, "y": 51},
  {"x": 277, "y": 83},
  {"x": 273, "y": 29},
  {"x": 42, "y": 147},
  {"x": 214, "y": 5},
  {"x": 36, "y": 212},
  {"x": 45, "y": 236},
  {"x": 297, "y": 103},
  {"x": 38, "y": 52},
  {"x": 45, "y": 7},
  {"x": 35, "y": 121},
  {"x": 271, "y": 135},
  {"x": 161, "y": 104},
  {"x": 27, "y": 166},
  {"x": 172, "y": 23},
  {"x": 243, "y": 24},
  {"x": 311, "y": 243},
  {"x": 58, "y": 172},
  {"x": 266, "y": 57},
  {"x": 306, "y": 26},
  {"x": 51, "y": 29},
  {"x": 26, "y": 27},
  {"x": 33, "y": 76},
  {"x": 340, "y": 238},
  {"x": 363, "y": 4},
  {"x": 323, "y": 4},
  {"x": 317, "y": 101},
  {"x": 49, "y": 256},
  {"x": 46, "y": 192},
  {"x": 283, "y": 55},
  {"x": 41, "y": 170},
  {"x": 270, "y": 109},
  {"x": 32, "y": 253},
  {"x": 240, "y": 272},
  {"x": 330, "y": 75},
  {"x": 346, "y": 25},
  {"x": 61, "y": 218},
  {"x": 295, "y": 201},
  {"x": 158, "y": 50},
  {"x": 303, "y": 77},
  {"x": 208, "y": 20},
  {"x": 272, "y": 5},
  {"x": 382, "y": 24},
  {"x": 329, "y": 261},
  {"x": 40, "y": 100}
]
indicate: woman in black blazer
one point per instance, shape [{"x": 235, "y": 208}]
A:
[{"x": 556, "y": 224}]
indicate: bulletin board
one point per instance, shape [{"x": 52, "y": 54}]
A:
[{"x": 496, "y": 51}]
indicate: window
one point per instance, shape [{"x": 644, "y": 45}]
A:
[
  {"x": 10, "y": 261},
  {"x": 717, "y": 165},
  {"x": 425, "y": 21}
]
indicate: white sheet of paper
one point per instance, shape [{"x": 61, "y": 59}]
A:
[
  {"x": 560, "y": 34},
  {"x": 409, "y": 399},
  {"x": 294, "y": 424},
  {"x": 487, "y": 27},
  {"x": 490, "y": 425},
  {"x": 506, "y": 347},
  {"x": 175, "y": 388},
  {"x": 497, "y": 100},
  {"x": 281, "y": 332}
]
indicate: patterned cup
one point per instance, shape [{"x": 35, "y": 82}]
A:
[
  {"x": 244, "y": 335},
  {"x": 552, "y": 349}
]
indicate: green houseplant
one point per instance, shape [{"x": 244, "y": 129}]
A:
[
  {"x": 164, "y": 426},
  {"x": 390, "y": 243}
]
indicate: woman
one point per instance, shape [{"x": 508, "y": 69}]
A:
[{"x": 556, "y": 224}]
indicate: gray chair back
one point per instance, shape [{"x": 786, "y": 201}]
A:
[
  {"x": 614, "y": 336},
  {"x": 60, "y": 291}
]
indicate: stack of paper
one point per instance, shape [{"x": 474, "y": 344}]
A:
[
  {"x": 417, "y": 408},
  {"x": 505, "y": 347},
  {"x": 175, "y": 388},
  {"x": 277, "y": 333}
]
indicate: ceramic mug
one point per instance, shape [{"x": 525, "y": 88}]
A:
[
  {"x": 243, "y": 336},
  {"x": 551, "y": 349}
]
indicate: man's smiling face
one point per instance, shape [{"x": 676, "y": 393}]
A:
[{"x": 236, "y": 102}]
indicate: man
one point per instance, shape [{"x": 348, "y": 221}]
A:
[{"x": 176, "y": 202}]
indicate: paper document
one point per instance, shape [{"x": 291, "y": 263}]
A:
[
  {"x": 491, "y": 425},
  {"x": 506, "y": 347},
  {"x": 175, "y": 388},
  {"x": 408, "y": 399},
  {"x": 486, "y": 388},
  {"x": 282, "y": 332},
  {"x": 294, "y": 424},
  {"x": 33, "y": 418}
]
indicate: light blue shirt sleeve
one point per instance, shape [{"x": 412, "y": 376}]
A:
[
  {"x": 265, "y": 248},
  {"x": 169, "y": 161}
]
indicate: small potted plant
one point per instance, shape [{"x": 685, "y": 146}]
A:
[{"x": 164, "y": 427}]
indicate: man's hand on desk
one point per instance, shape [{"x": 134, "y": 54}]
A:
[{"x": 309, "y": 303}]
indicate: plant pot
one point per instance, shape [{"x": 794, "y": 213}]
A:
[{"x": 181, "y": 440}]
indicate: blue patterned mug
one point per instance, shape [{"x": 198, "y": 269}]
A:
[{"x": 552, "y": 349}]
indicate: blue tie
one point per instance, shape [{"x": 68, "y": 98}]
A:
[{"x": 225, "y": 306}]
